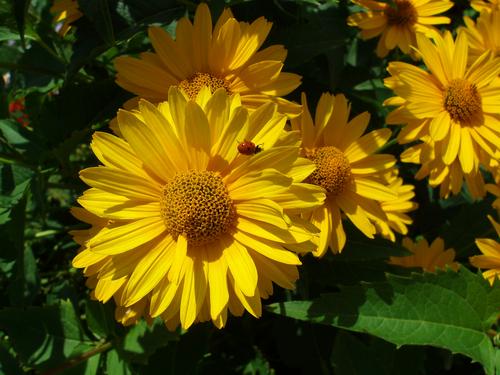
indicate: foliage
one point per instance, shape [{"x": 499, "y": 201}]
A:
[{"x": 353, "y": 313}]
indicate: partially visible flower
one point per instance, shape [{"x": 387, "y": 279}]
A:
[
  {"x": 65, "y": 13},
  {"x": 196, "y": 228},
  {"x": 495, "y": 190},
  {"x": 449, "y": 178},
  {"x": 226, "y": 56},
  {"x": 397, "y": 209},
  {"x": 429, "y": 258},
  {"x": 347, "y": 168},
  {"x": 485, "y": 6},
  {"x": 490, "y": 259},
  {"x": 17, "y": 110},
  {"x": 397, "y": 22},
  {"x": 453, "y": 106},
  {"x": 483, "y": 35}
]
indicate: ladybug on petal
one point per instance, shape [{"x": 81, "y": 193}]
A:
[{"x": 249, "y": 148}]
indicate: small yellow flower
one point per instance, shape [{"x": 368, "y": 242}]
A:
[
  {"x": 65, "y": 13},
  {"x": 453, "y": 107},
  {"x": 226, "y": 56},
  {"x": 347, "y": 168},
  {"x": 429, "y": 258},
  {"x": 490, "y": 259},
  {"x": 397, "y": 22},
  {"x": 192, "y": 227}
]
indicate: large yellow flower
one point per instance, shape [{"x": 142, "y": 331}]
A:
[
  {"x": 490, "y": 259},
  {"x": 65, "y": 13},
  {"x": 196, "y": 227},
  {"x": 226, "y": 56},
  {"x": 429, "y": 258},
  {"x": 397, "y": 22},
  {"x": 455, "y": 106},
  {"x": 346, "y": 167},
  {"x": 483, "y": 35}
]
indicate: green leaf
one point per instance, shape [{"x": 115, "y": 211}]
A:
[
  {"x": 379, "y": 357},
  {"x": 142, "y": 340},
  {"x": 45, "y": 336},
  {"x": 448, "y": 310},
  {"x": 98, "y": 12},
  {"x": 25, "y": 286},
  {"x": 100, "y": 318},
  {"x": 8, "y": 364},
  {"x": 183, "y": 356},
  {"x": 115, "y": 365},
  {"x": 20, "y": 11}
]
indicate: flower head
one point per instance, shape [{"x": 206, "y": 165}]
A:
[
  {"x": 227, "y": 56},
  {"x": 347, "y": 168},
  {"x": 490, "y": 259},
  {"x": 65, "y": 13},
  {"x": 429, "y": 258},
  {"x": 195, "y": 228},
  {"x": 452, "y": 107},
  {"x": 398, "y": 21}
]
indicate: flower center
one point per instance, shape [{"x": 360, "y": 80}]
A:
[
  {"x": 463, "y": 102},
  {"x": 403, "y": 14},
  {"x": 193, "y": 84},
  {"x": 197, "y": 205},
  {"x": 333, "y": 171}
]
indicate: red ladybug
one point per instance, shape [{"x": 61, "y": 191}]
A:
[{"x": 249, "y": 148}]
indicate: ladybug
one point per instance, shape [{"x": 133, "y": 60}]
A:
[{"x": 249, "y": 148}]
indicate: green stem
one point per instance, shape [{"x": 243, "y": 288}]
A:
[{"x": 72, "y": 362}]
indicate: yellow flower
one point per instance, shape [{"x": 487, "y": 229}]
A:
[
  {"x": 490, "y": 259},
  {"x": 65, "y": 13},
  {"x": 453, "y": 105},
  {"x": 429, "y": 258},
  {"x": 484, "y": 35},
  {"x": 226, "y": 56},
  {"x": 396, "y": 209},
  {"x": 196, "y": 227},
  {"x": 485, "y": 6},
  {"x": 346, "y": 168},
  {"x": 449, "y": 178},
  {"x": 398, "y": 22}
]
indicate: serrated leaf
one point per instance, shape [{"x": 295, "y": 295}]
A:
[
  {"x": 45, "y": 336},
  {"x": 448, "y": 310}
]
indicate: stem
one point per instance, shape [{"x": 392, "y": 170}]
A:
[{"x": 72, "y": 362}]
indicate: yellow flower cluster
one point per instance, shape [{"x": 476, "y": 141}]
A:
[
  {"x": 204, "y": 199},
  {"x": 449, "y": 109},
  {"x": 207, "y": 196}
]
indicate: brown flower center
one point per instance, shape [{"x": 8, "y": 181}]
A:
[
  {"x": 463, "y": 102},
  {"x": 197, "y": 205},
  {"x": 333, "y": 171},
  {"x": 193, "y": 84},
  {"x": 402, "y": 14}
]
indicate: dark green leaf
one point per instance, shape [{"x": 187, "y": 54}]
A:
[
  {"x": 412, "y": 311},
  {"x": 100, "y": 318},
  {"x": 20, "y": 11},
  {"x": 142, "y": 340},
  {"x": 115, "y": 365},
  {"x": 45, "y": 336}
]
